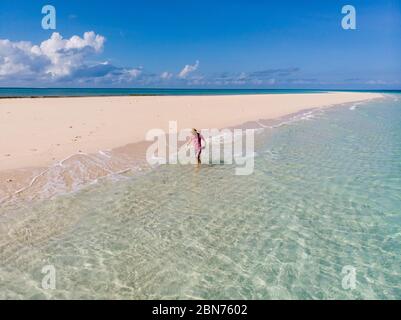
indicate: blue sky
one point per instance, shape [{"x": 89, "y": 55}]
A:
[{"x": 213, "y": 44}]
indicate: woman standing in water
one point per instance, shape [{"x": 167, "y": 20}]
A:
[{"x": 196, "y": 140}]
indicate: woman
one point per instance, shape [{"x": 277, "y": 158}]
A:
[{"x": 196, "y": 140}]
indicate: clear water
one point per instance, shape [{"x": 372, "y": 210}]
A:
[{"x": 326, "y": 193}]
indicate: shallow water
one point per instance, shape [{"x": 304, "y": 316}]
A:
[{"x": 325, "y": 194}]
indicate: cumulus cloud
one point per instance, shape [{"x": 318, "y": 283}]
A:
[
  {"x": 188, "y": 69},
  {"x": 66, "y": 55},
  {"x": 17, "y": 58},
  {"x": 61, "y": 61},
  {"x": 56, "y": 57},
  {"x": 71, "y": 61}
]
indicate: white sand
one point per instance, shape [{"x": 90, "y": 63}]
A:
[{"x": 37, "y": 132}]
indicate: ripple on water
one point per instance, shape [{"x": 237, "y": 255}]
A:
[{"x": 325, "y": 194}]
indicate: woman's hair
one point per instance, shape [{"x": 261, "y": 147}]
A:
[{"x": 194, "y": 130}]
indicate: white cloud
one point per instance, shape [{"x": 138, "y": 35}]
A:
[
  {"x": 166, "y": 75},
  {"x": 56, "y": 57},
  {"x": 16, "y": 58},
  {"x": 376, "y": 82},
  {"x": 188, "y": 69},
  {"x": 122, "y": 75},
  {"x": 68, "y": 54}
]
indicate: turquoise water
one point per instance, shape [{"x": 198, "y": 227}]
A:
[
  {"x": 81, "y": 92},
  {"x": 325, "y": 193},
  {"x": 68, "y": 92}
]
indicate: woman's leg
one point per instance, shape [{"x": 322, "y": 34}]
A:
[{"x": 198, "y": 155}]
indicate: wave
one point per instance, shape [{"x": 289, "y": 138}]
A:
[{"x": 74, "y": 172}]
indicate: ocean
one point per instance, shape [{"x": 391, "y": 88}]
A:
[
  {"x": 320, "y": 218},
  {"x": 82, "y": 92}
]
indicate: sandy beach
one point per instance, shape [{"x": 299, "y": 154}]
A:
[
  {"x": 55, "y": 144},
  {"x": 38, "y": 132}
]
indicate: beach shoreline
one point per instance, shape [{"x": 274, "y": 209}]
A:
[
  {"x": 33, "y": 129},
  {"x": 39, "y": 135}
]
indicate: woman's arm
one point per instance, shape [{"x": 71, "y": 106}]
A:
[{"x": 189, "y": 141}]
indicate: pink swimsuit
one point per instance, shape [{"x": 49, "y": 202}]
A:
[{"x": 197, "y": 142}]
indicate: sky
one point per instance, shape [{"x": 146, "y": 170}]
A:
[{"x": 201, "y": 44}]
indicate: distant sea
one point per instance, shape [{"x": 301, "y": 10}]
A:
[{"x": 83, "y": 92}]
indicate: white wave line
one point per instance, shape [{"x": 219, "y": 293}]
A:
[
  {"x": 69, "y": 157},
  {"x": 32, "y": 181},
  {"x": 103, "y": 153},
  {"x": 122, "y": 171},
  {"x": 60, "y": 163},
  {"x": 261, "y": 124},
  {"x": 43, "y": 172}
]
